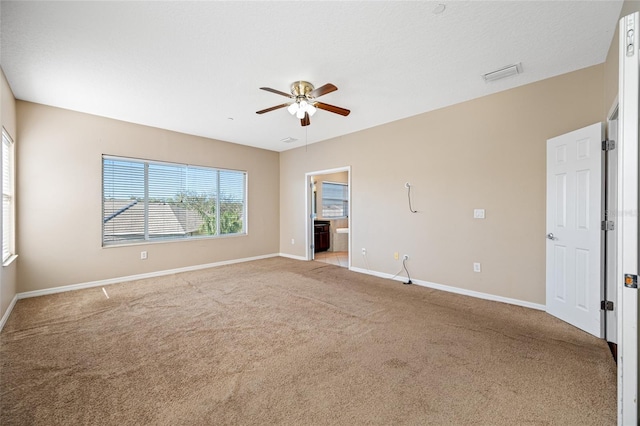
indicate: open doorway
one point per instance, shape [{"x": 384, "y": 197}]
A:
[{"x": 328, "y": 218}]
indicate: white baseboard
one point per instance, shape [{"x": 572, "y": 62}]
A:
[
  {"x": 5, "y": 317},
  {"x": 456, "y": 290},
  {"x": 99, "y": 283},
  {"x": 292, "y": 256}
]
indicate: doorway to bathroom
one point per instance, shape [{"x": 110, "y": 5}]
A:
[{"x": 328, "y": 218}]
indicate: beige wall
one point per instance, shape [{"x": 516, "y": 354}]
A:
[
  {"x": 486, "y": 153},
  {"x": 8, "y": 277},
  {"x": 59, "y": 211}
]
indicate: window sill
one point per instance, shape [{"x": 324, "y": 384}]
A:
[
  {"x": 10, "y": 260},
  {"x": 174, "y": 240}
]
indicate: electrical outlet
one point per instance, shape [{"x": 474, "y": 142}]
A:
[
  {"x": 476, "y": 267},
  {"x": 478, "y": 213},
  {"x": 405, "y": 257},
  {"x": 143, "y": 255},
  {"x": 396, "y": 256},
  {"x": 364, "y": 251},
  {"x": 293, "y": 241}
]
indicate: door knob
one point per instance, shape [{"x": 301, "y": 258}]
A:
[{"x": 550, "y": 236}]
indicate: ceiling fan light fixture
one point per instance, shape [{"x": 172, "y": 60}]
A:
[
  {"x": 311, "y": 110},
  {"x": 302, "y": 101},
  {"x": 293, "y": 108}
]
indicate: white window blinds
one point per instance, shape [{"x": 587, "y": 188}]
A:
[
  {"x": 231, "y": 202},
  {"x": 145, "y": 200},
  {"x": 7, "y": 197}
]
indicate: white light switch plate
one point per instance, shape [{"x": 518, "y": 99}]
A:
[{"x": 478, "y": 213}]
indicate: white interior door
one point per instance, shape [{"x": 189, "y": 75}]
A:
[{"x": 574, "y": 188}]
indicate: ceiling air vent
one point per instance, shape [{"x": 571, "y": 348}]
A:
[
  {"x": 288, "y": 139},
  {"x": 503, "y": 72}
]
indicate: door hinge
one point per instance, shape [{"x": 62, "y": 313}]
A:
[
  {"x": 630, "y": 40},
  {"x": 606, "y": 305},
  {"x": 608, "y": 145},
  {"x": 607, "y": 225}
]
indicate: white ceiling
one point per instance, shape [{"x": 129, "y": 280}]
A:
[{"x": 195, "y": 67}]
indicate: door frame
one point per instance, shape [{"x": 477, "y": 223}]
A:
[
  {"x": 627, "y": 215},
  {"x": 309, "y": 218},
  {"x": 609, "y": 240}
]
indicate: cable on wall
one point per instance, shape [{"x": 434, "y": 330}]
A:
[
  {"x": 404, "y": 265},
  {"x": 366, "y": 261},
  {"x": 408, "y": 186}
]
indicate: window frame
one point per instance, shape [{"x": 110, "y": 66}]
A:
[
  {"x": 345, "y": 200},
  {"x": 146, "y": 200}
]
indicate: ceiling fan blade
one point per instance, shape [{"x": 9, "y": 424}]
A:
[
  {"x": 277, "y": 92},
  {"x": 322, "y": 90},
  {"x": 305, "y": 121},
  {"x": 331, "y": 108},
  {"x": 262, "y": 111}
]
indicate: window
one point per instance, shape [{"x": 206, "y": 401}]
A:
[
  {"x": 150, "y": 201},
  {"x": 7, "y": 197},
  {"x": 335, "y": 199}
]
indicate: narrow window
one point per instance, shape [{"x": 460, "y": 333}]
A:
[{"x": 8, "y": 200}]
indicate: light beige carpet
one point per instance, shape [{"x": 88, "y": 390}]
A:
[{"x": 280, "y": 341}]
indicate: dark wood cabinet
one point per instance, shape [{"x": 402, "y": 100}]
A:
[{"x": 321, "y": 237}]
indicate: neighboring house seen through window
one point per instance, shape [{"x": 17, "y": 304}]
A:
[
  {"x": 8, "y": 200},
  {"x": 149, "y": 201},
  {"x": 335, "y": 199}
]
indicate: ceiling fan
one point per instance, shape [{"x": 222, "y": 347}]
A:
[{"x": 304, "y": 103}]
